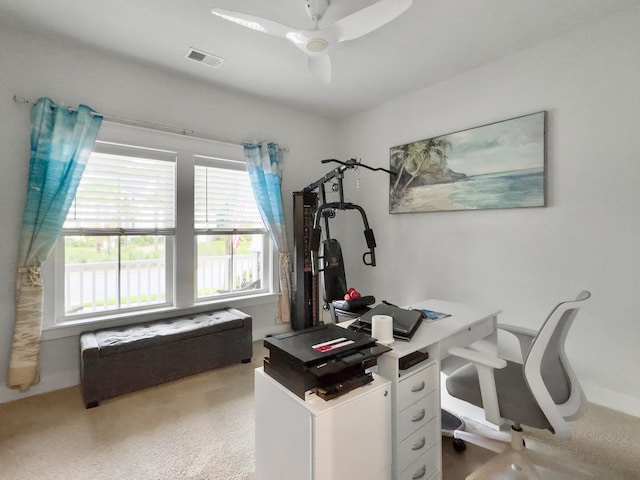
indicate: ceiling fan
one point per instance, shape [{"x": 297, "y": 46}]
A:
[{"x": 317, "y": 42}]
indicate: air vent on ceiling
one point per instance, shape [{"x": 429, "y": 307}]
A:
[{"x": 204, "y": 57}]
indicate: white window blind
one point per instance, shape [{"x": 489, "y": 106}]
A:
[
  {"x": 223, "y": 200},
  {"x": 125, "y": 189}
]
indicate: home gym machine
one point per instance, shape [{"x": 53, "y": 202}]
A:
[{"x": 312, "y": 256}]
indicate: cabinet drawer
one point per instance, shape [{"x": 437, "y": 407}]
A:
[
  {"x": 416, "y": 444},
  {"x": 416, "y": 386},
  {"x": 423, "y": 468},
  {"x": 417, "y": 415}
]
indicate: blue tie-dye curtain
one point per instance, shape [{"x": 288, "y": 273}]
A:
[
  {"x": 61, "y": 142},
  {"x": 264, "y": 162}
]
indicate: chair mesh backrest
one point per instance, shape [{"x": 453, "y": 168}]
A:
[
  {"x": 553, "y": 370},
  {"x": 549, "y": 375}
]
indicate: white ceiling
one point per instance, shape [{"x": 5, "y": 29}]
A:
[{"x": 431, "y": 42}]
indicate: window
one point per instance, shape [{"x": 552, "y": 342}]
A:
[
  {"x": 118, "y": 233},
  {"x": 229, "y": 230},
  {"x": 155, "y": 227}
]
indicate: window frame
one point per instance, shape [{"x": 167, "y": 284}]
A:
[
  {"x": 182, "y": 284},
  {"x": 215, "y": 162}
]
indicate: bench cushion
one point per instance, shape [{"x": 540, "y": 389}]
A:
[{"x": 144, "y": 335}]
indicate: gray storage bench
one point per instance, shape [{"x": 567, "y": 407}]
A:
[{"x": 123, "y": 359}]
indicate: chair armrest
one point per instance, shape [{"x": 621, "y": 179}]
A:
[
  {"x": 524, "y": 335},
  {"x": 478, "y": 357},
  {"x": 485, "y": 365},
  {"x": 516, "y": 329}
]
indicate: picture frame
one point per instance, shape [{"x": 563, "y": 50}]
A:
[{"x": 493, "y": 166}]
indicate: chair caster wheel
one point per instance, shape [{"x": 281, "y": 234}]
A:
[{"x": 459, "y": 445}]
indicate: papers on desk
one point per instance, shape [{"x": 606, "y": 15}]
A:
[
  {"x": 332, "y": 344},
  {"x": 432, "y": 316}
]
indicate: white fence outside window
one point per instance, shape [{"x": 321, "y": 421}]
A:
[{"x": 93, "y": 287}]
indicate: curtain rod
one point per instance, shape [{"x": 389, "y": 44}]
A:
[{"x": 155, "y": 126}]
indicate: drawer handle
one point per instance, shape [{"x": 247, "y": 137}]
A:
[
  {"x": 418, "y": 388},
  {"x": 419, "y": 416},
  {"x": 418, "y": 446},
  {"x": 420, "y": 473}
]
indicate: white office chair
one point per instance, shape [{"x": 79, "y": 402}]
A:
[{"x": 542, "y": 392}]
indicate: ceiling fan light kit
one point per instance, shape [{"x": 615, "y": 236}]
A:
[{"x": 316, "y": 43}]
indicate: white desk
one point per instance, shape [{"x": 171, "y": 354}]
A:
[
  {"x": 415, "y": 400},
  {"x": 342, "y": 438}
]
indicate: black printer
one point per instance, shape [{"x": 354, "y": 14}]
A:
[{"x": 327, "y": 360}]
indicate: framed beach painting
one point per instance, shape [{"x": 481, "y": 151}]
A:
[{"x": 500, "y": 165}]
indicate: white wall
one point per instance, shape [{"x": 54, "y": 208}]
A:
[
  {"x": 526, "y": 260},
  {"x": 33, "y": 67}
]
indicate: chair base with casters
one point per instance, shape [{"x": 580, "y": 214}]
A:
[
  {"x": 540, "y": 392},
  {"x": 450, "y": 424},
  {"x": 515, "y": 461}
]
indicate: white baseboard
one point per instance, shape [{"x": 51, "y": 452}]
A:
[
  {"x": 52, "y": 383},
  {"x": 264, "y": 332},
  {"x": 621, "y": 402}
]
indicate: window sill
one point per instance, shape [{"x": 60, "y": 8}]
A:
[{"x": 72, "y": 328}]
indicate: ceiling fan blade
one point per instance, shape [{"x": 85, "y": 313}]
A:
[
  {"x": 255, "y": 23},
  {"x": 320, "y": 67},
  {"x": 311, "y": 42},
  {"x": 369, "y": 19}
]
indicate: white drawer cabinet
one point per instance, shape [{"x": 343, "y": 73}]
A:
[
  {"x": 416, "y": 414},
  {"x": 415, "y": 403},
  {"x": 348, "y": 437}
]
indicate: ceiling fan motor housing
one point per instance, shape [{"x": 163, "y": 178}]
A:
[{"x": 316, "y": 9}]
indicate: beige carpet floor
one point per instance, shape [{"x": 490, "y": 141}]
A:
[
  {"x": 196, "y": 428},
  {"x": 201, "y": 428},
  {"x": 605, "y": 445}
]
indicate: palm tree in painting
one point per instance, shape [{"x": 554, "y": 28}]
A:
[
  {"x": 398, "y": 156},
  {"x": 426, "y": 159}
]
